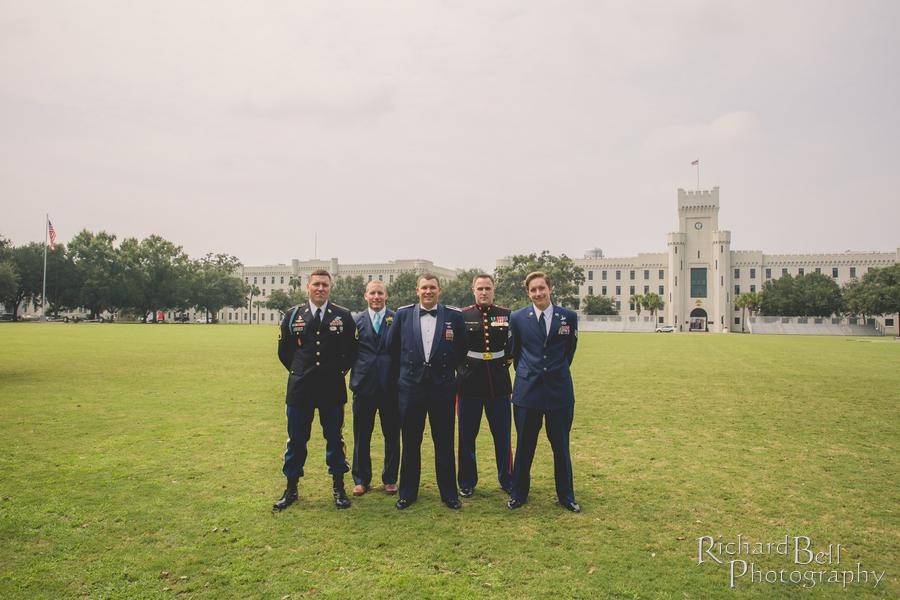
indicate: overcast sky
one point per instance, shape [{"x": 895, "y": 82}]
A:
[{"x": 452, "y": 131}]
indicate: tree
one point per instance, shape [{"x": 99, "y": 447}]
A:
[
  {"x": 282, "y": 301},
  {"x": 214, "y": 284},
  {"x": 157, "y": 275},
  {"x": 348, "y": 292},
  {"x": 403, "y": 290},
  {"x": 565, "y": 277},
  {"x": 28, "y": 263},
  {"x": 741, "y": 302},
  {"x": 637, "y": 300},
  {"x": 810, "y": 295},
  {"x": 653, "y": 303},
  {"x": 599, "y": 305},
  {"x": 251, "y": 291},
  {"x": 878, "y": 293},
  {"x": 458, "y": 291},
  {"x": 9, "y": 281},
  {"x": 99, "y": 271}
]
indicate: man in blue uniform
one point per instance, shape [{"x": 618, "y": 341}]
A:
[
  {"x": 484, "y": 384},
  {"x": 374, "y": 386},
  {"x": 317, "y": 345},
  {"x": 544, "y": 337},
  {"x": 427, "y": 342}
]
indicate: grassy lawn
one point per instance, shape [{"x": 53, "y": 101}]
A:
[{"x": 142, "y": 461}]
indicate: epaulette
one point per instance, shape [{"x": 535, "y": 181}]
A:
[
  {"x": 406, "y": 306},
  {"x": 453, "y": 308},
  {"x": 340, "y": 307}
]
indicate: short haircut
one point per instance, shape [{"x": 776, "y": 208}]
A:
[
  {"x": 378, "y": 282},
  {"x": 320, "y": 273},
  {"x": 483, "y": 276},
  {"x": 428, "y": 277},
  {"x": 537, "y": 275}
]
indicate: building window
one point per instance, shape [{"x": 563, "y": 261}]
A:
[
  {"x": 800, "y": 271},
  {"x": 631, "y": 290},
  {"x": 264, "y": 290},
  {"x": 662, "y": 274},
  {"x": 721, "y": 249},
  {"x": 784, "y": 272},
  {"x": 618, "y": 305},
  {"x": 721, "y": 280},
  {"x": 380, "y": 277},
  {"x": 390, "y": 279},
  {"x": 646, "y": 289},
  {"x": 752, "y": 273},
  {"x": 618, "y": 275},
  {"x": 676, "y": 281},
  {"x": 603, "y": 290},
  {"x": 818, "y": 269},
  {"x": 590, "y": 275},
  {"x": 717, "y": 264},
  {"x": 737, "y": 320},
  {"x": 834, "y": 272},
  {"x": 698, "y": 282},
  {"x": 282, "y": 280},
  {"x": 737, "y": 273},
  {"x": 698, "y": 254},
  {"x": 646, "y": 273},
  {"x": 889, "y": 322},
  {"x": 676, "y": 249},
  {"x": 752, "y": 289},
  {"x": 768, "y": 273},
  {"x": 618, "y": 290},
  {"x": 370, "y": 278},
  {"x": 737, "y": 290},
  {"x": 631, "y": 306},
  {"x": 590, "y": 290},
  {"x": 661, "y": 291},
  {"x": 660, "y": 320},
  {"x": 852, "y": 271},
  {"x": 246, "y": 280},
  {"x": 254, "y": 281},
  {"x": 603, "y": 275},
  {"x": 253, "y": 316}
]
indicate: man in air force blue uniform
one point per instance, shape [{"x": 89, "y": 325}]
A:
[
  {"x": 544, "y": 337},
  {"x": 428, "y": 342},
  {"x": 317, "y": 345},
  {"x": 374, "y": 385}
]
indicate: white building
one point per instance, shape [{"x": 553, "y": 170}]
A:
[{"x": 699, "y": 275}]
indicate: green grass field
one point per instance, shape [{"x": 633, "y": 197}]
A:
[{"x": 142, "y": 461}]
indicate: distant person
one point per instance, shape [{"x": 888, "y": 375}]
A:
[
  {"x": 544, "y": 336},
  {"x": 484, "y": 385},
  {"x": 317, "y": 345},
  {"x": 428, "y": 342},
  {"x": 374, "y": 386}
]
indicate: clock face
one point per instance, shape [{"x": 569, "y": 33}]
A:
[{"x": 698, "y": 225}]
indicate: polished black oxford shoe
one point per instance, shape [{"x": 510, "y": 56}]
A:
[
  {"x": 513, "y": 504},
  {"x": 454, "y": 504},
  {"x": 340, "y": 496},
  {"x": 403, "y": 504},
  {"x": 466, "y": 492},
  {"x": 288, "y": 497},
  {"x": 572, "y": 506}
]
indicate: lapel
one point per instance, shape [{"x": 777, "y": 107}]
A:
[
  {"x": 536, "y": 324},
  {"x": 307, "y": 317},
  {"x": 417, "y": 332},
  {"x": 365, "y": 323},
  {"x": 554, "y": 324},
  {"x": 382, "y": 335},
  {"x": 438, "y": 329}
]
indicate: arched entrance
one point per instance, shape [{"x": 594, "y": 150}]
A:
[{"x": 698, "y": 320}]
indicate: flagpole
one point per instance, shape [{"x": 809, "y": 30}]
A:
[
  {"x": 698, "y": 174},
  {"x": 44, "y": 292}
]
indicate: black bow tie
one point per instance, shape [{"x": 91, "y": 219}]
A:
[{"x": 423, "y": 312}]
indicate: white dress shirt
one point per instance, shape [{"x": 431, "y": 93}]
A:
[
  {"x": 372, "y": 314},
  {"x": 428, "y": 323},
  {"x": 548, "y": 316},
  {"x": 313, "y": 308}
]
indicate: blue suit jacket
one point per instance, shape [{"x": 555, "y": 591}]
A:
[
  {"x": 373, "y": 372},
  {"x": 448, "y": 349},
  {"x": 543, "y": 380}
]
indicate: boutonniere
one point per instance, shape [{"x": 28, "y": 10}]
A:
[{"x": 389, "y": 320}]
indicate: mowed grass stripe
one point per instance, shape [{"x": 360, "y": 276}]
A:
[{"x": 142, "y": 460}]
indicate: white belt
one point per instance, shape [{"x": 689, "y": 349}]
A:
[{"x": 486, "y": 355}]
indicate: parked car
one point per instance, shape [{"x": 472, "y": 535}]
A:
[{"x": 665, "y": 329}]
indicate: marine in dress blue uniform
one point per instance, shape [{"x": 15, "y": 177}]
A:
[
  {"x": 373, "y": 382},
  {"x": 426, "y": 387},
  {"x": 317, "y": 345},
  {"x": 544, "y": 337},
  {"x": 484, "y": 385}
]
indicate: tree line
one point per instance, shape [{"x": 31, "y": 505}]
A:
[{"x": 95, "y": 273}]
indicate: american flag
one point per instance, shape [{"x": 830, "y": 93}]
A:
[
  {"x": 52, "y": 232},
  {"x": 695, "y": 162}
]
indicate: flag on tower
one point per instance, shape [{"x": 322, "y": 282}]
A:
[
  {"x": 52, "y": 232},
  {"x": 696, "y": 163}
]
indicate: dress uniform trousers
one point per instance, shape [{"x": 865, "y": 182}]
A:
[
  {"x": 364, "y": 409},
  {"x": 499, "y": 417},
  {"x": 435, "y": 401},
  {"x": 299, "y": 426},
  {"x": 528, "y": 426}
]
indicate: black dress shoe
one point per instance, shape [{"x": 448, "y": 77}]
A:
[
  {"x": 513, "y": 504},
  {"x": 402, "y": 504},
  {"x": 454, "y": 504},
  {"x": 572, "y": 506},
  {"x": 340, "y": 498},
  {"x": 466, "y": 492},
  {"x": 287, "y": 498}
]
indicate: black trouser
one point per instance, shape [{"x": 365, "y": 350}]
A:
[
  {"x": 436, "y": 402},
  {"x": 499, "y": 417},
  {"x": 364, "y": 408},
  {"x": 299, "y": 427},
  {"x": 528, "y": 426}
]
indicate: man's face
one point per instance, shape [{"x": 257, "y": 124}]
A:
[
  {"x": 428, "y": 292},
  {"x": 375, "y": 296},
  {"x": 318, "y": 289},
  {"x": 539, "y": 292},
  {"x": 484, "y": 291}
]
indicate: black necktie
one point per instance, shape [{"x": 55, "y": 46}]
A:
[
  {"x": 423, "y": 312},
  {"x": 543, "y": 323},
  {"x": 317, "y": 322}
]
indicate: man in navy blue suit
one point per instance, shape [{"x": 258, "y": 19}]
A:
[
  {"x": 427, "y": 342},
  {"x": 374, "y": 385},
  {"x": 543, "y": 337}
]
